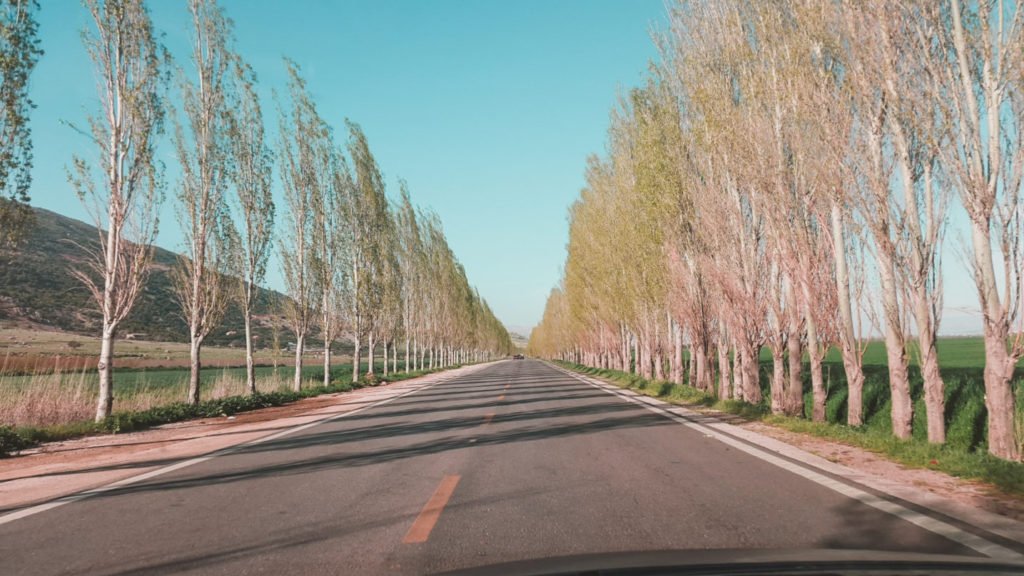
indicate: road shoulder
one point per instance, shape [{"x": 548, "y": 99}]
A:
[
  {"x": 968, "y": 502},
  {"x": 60, "y": 469}
]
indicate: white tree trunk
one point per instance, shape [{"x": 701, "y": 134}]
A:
[
  {"x": 327, "y": 363},
  {"x": 300, "y": 342},
  {"x": 194, "y": 350},
  {"x": 105, "y": 368},
  {"x": 250, "y": 365},
  {"x": 370, "y": 345},
  {"x": 355, "y": 358}
]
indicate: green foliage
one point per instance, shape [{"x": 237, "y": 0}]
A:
[
  {"x": 967, "y": 425},
  {"x": 835, "y": 406},
  {"x": 19, "y": 53},
  {"x": 11, "y": 441}
]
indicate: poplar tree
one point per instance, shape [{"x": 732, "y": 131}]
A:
[
  {"x": 19, "y": 52},
  {"x": 123, "y": 200},
  {"x": 203, "y": 148}
]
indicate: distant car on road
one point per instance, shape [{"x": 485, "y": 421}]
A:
[{"x": 518, "y": 357}]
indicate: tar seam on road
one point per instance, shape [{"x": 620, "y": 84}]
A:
[
  {"x": 32, "y": 510},
  {"x": 421, "y": 528},
  {"x": 972, "y": 541}
]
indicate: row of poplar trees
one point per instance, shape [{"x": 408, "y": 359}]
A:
[
  {"x": 783, "y": 180},
  {"x": 355, "y": 264}
]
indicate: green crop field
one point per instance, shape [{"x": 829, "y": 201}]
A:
[{"x": 954, "y": 352}]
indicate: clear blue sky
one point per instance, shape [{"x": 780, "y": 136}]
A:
[{"x": 488, "y": 108}]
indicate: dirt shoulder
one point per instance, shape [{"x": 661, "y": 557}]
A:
[
  {"x": 972, "y": 493},
  {"x": 59, "y": 469}
]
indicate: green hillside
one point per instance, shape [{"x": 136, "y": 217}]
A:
[{"x": 36, "y": 285}]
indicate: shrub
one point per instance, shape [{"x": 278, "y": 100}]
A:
[{"x": 11, "y": 441}]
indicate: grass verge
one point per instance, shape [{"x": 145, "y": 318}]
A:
[
  {"x": 917, "y": 453},
  {"x": 14, "y": 439}
]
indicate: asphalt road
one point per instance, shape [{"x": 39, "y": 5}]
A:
[{"x": 515, "y": 461}]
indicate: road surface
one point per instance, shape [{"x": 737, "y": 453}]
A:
[{"x": 515, "y": 461}]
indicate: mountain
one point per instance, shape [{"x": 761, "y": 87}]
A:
[{"x": 36, "y": 286}]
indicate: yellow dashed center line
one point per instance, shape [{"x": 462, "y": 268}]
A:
[{"x": 420, "y": 529}]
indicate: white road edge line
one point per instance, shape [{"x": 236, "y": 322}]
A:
[
  {"x": 949, "y": 531},
  {"x": 32, "y": 510}
]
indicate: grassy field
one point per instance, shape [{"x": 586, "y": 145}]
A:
[
  {"x": 49, "y": 377},
  {"x": 60, "y": 398},
  {"x": 218, "y": 403},
  {"x": 954, "y": 352},
  {"x": 34, "y": 351},
  {"x": 128, "y": 379}
]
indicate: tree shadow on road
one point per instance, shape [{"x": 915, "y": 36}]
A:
[
  {"x": 490, "y": 436},
  {"x": 867, "y": 528}
]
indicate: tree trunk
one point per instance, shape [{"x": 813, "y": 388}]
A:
[
  {"x": 896, "y": 351},
  {"x": 624, "y": 349},
  {"x": 659, "y": 364},
  {"x": 999, "y": 400},
  {"x": 636, "y": 355},
  {"x": 698, "y": 366},
  {"x": 355, "y": 358},
  {"x": 370, "y": 345},
  {"x": 852, "y": 363},
  {"x": 105, "y": 368},
  {"x": 386, "y": 358},
  {"x": 999, "y": 364},
  {"x": 677, "y": 354},
  {"x": 299, "y": 346},
  {"x": 737, "y": 372},
  {"x": 934, "y": 387},
  {"x": 778, "y": 384},
  {"x": 327, "y": 363},
  {"x": 724, "y": 371},
  {"x": 795, "y": 356},
  {"x": 394, "y": 358},
  {"x": 695, "y": 366},
  {"x": 406, "y": 355},
  {"x": 250, "y": 365},
  {"x": 817, "y": 382},
  {"x": 752, "y": 374},
  {"x": 195, "y": 344}
]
